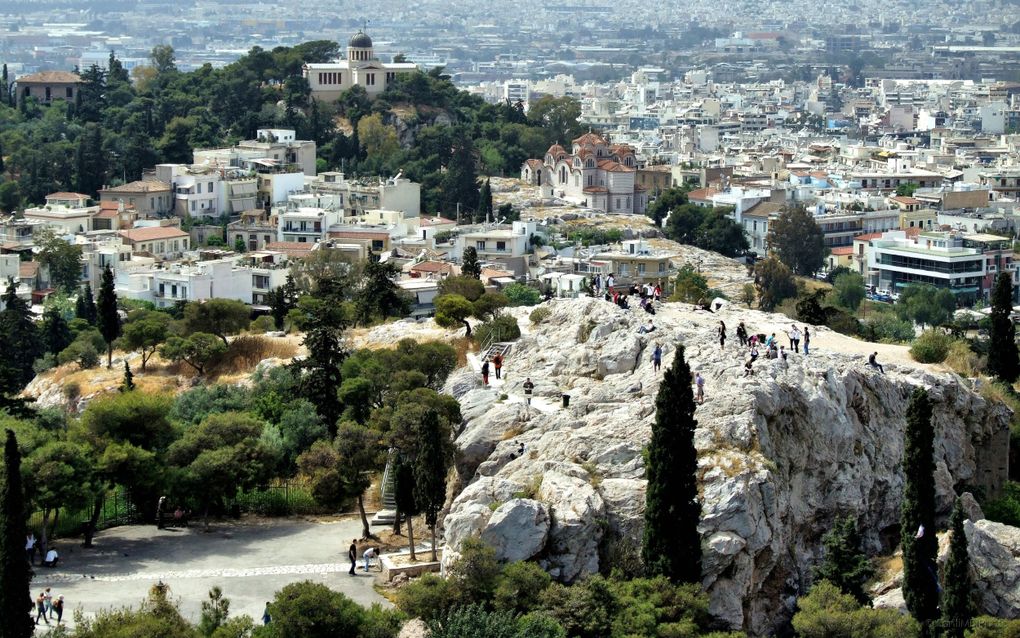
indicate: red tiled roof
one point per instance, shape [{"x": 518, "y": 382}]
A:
[
  {"x": 50, "y": 77},
  {"x": 442, "y": 221},
  {"x": 534, "y": 163},
  {"x": 703, "y": 194},
  {"x": 66, "y": 195},
  {"x": 138, "y": 186},
  {"x": 614, "y": 167},
  {"x": 912, "y": 232},
  {"x": 902, "y": 199},
  {"x": 842, "y": 250},
  {"x": 291, "y": 248},
  {"x": 867, "y": 236},
  {"x": 590, "y": 138},
  {"x": 358, "y": 234},
  {"x": 153, "y": 232},
  {"x": 28, "y": 269},
  {"x": 596, "y": 189},
  {"x": 432, "y": 266}
]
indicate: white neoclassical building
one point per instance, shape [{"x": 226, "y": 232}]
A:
[
  {"x": 594, "y": 174},
  {"x": 361, "y": 68}
]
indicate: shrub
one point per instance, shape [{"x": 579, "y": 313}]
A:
[
  {"x": 504, "y": 327},
  {"x": 826, "y": 612},
  {"x": 963, "y": 360},
  {"x": 473, "y": 621},
  {"x": 521, "y": 295},
  {"x": 989, "y": 627},
  {"x": 520, "y": 586},
  {"x": 887, "y": 328},
  {"x": 72, "y": 390},
  {"x": 842, "y": 321},
  {"x": 44, "y": 363},
  {"x": 81, "y": 352},
  {"x": 476, "y": 572},
  {"x": 1006, "y": 508},
  {"x": 931, "y": 347},
  {"x": 538, "y": 315},
  {"x": 262, "y": 324},
  {"x": 428, "y": 597}
]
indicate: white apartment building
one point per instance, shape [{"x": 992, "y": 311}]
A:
[
  {"x": 212, "y": 279},
  {"x": 276, "y": 148},
  {"x": 67, "y": 213},
  {"x": 355, "y": 196},
  {"x": 304, "y": 224},
  {"x": 209, "y": 191}
]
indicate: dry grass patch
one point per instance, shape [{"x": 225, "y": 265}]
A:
[{"x": 245, "y": 352}]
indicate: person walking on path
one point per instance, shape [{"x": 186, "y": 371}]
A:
[
  {"x": 722, "y": 334},
  {"x": 30, "y": 548},
  {"x": 807, "y": 339},
  {"x": 352, "y": 553},
  {"x": 58, "y": 606},
  {"x": 656, "y": 358},
  {"x": 266, "y": 616},
  {"x": 528, "y": 388},
  {"x": 699, "y": 381},
  {"x": 48, "y": 595},
  {"x": 742, "y": 334},
  {"x": 40, "y": 608},
  {"x": 485, "y": 372},
  {"x": 497, "y": 363},
  {"x": 160, "y": 510},
  {"x": 873, "y": 362}
]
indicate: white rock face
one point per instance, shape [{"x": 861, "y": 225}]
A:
[
  {"x": 781, "y": 454},
  {"x": 518, "y": 529},
  {"x": 994, "y": 551}
]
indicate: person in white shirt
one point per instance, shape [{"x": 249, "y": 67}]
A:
[
  {"x": 369, "y": 554},
  {"x": 30, "y": 548},
  {"x": 51, "y": 558}
]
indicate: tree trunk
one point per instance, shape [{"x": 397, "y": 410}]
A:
[
  {"x": 434, "y": 556},
  {"x": 365, "y": 531},
  {"x": 90, "y": 529},
  {"x": 145, "y": 358},
  {"x": 56, "y": 518},
  {"x": 109, "y": 355},
  {"x": 468, "y": 326},
  {"x": 43, "y": 537},
  {"x": 205, "y": 517},
  {"x": 410, "y": 538},
  {"x": 396, "y": 519}
]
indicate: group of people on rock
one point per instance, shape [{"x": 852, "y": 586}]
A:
[
  {"x": 648, "y": 293},
  {"x": 754, "y": 343}
]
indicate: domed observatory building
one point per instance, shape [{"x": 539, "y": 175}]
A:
[{"x": 361, "y": 68}]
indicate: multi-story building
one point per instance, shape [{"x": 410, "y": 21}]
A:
[
  {"x": 304, "y": 225},
  {"x": 635, "y": 263},
  {"x": 355, "y": 196},
  {"x": 593, "y": 174},
  {"x": 202, "y": 190},
  {"x": 1003, "y": 181},
  {"x": 255, "y": 229},
  {"x": 272, "y": 148},
  {"x": 68, "y": 213},
  {"x": 362, "y": 68},
  {"x": 150, "y": 198},
  {"x": 162, "y": 242},
  {"x": 164, "y": 287},
  {"x": 47, "y": 86}
]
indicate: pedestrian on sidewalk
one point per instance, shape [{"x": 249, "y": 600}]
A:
[
  {"x": 352, "y": 553},
  {"x": 656, "y": 358},
  {"x": 485, "y": 372},
  {"x": 699, "y": 382},
  {"x": 58, "y": 606},
  {"x": 722, "y": 334},
  {"x": 807, "y": 339},
  {"x": 528, "y": 388},
  {"x": 48, "y": 595},
  {"x": 40, "y": 608},
  {"x": 497, "y": 363}
]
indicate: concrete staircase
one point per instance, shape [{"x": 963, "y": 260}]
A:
[{"x": 388, "y": 512}]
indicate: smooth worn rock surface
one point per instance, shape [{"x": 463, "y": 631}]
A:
[{"x": 781, "y": 454}]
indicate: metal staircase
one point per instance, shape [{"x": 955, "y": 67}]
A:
[{"x": 493, "y": 346}]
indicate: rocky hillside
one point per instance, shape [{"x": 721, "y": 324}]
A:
[{"x": 781, "y": 453}]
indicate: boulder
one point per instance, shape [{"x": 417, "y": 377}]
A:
[
  {"x": 518, "y": 529},
  {"x": 994, "y": 551}
]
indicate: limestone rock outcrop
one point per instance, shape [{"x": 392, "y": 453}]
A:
[{"x": 781, "y": 453}]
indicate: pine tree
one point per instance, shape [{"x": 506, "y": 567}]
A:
[
  {"x": 5, "y": 89},
  {"x": 469, "y": 263},
  {"x": 430, "y": 468},
  {"x": 917, "y": 522},
  {"x": 845, "y": 564},
  {"x": 20, "y": 343},
  {"x": 56, "y": 334},
  {"x": 15, "y": 573},
  {"x": 957, "y": 609},
  {"x": 107, "y": 316},
  {"x": 129, "y": 379},
  {"x": 85, "y": 306},
  {"x": 672, "y": 545},
  {"x": 460, "y": 183},
  {"x": 320, "y": 372},
  {"x": 1003, "y": 361},
  {"x": 485, "y": 203}
]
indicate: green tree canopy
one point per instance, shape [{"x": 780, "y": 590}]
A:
[
  {"x": 849, "y": 289},
  {"x": 220, "y": 317},
  {"x": 198, "y": 350},
  {"x": 773, "y": 281},
  {"x": 797, "y": 240},
  {"x": 145, "y": 331},
  {"x": 1003, "y": 360}
]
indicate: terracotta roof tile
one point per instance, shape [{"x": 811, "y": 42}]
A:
[
  {"x": 153, "y": 232},
  {"x": 50, "y": 77}
]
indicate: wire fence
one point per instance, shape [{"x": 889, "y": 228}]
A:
[{"x": 282, "y": 498}]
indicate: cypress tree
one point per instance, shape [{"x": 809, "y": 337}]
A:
[
  {"x": 85, "y": 306},
  {"x": 20, "y": 343},
  {"x": 107, "y": 316},
  {"x": 403, "y": 492},
  {"x": 485, "y": 203},
  {"x": 845, "y": 565},
  {"x": 129, "y": 379},
  {"x": 956, "y": 605},
  {"x": 56, "y": 334},
  {"x": 1003, "y": 361},
  {"x": 469, "y": 263},
  {"x": 460, "y": 183},
  {"x": 917, "y": 522},
  {"x": 430, "y": 468},
  {"x": 15, "y": 573},
  {"x": 672, "y": 545}
]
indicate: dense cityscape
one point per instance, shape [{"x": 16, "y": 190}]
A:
[{"x": 471, "y": 320}]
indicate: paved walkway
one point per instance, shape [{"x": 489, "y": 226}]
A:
[{"x": 249, "y": 562}]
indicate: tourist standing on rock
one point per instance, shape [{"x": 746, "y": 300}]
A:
[
  {"x": 807, "y": 339},
  {"x": 742, "y": 334},
  {"x": 754, "y": 351},
  {"x": 48, "y": 595},
  {"x": 497, "y": 363},
  {"x": 748, "y": 371},
  {"x": 699, "y": 382},
  {"x": 596, "y": 283},
  {"x": 794, "y": 339},
  {"x": 873, "y": 362},
  {"x": 485, "y": 372},
  {"x": 656, "y": 358},
  {"x": 266, "y": 616},
  {"x": 160, "y": 509},
  {"x": 722, "y": 334},
  {"x": 352, "y": 553},
  {"x": 528, "y": 388},
  {"x": 658, "y": 291},
  {"x": 610, "y": 281}
]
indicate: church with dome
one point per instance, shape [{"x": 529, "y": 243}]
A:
[
  {"x": 361, "y": 68},
  {"x": 594, "y": 173}
]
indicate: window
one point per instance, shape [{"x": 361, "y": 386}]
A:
[
  {"x": 152, "y": 202},
  {"x": 47, "y": 94},
  {"x": 662, "y": 267},
  {"x": 69, "y": 93},
  {"x": 563, "y": 174},
  {"x": 577, "y": 180},
  {"x": 377, "y": 244},
  {"x": 479, "y": 245},
  {"x": 173, "y": 290},
  {"x": 617, "y": 203},
  {"x": 641, "y": 269},
  {"x": 500, "y": 245},
  {"x": 198, "y": 188},
  {"x": 370, "y": 79},
  {"x": 192, "y": 205},
  {"x": 210, "y": 188},
  {"x": 623, "y": 269},
  {"x": 162, "y": 292}
]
